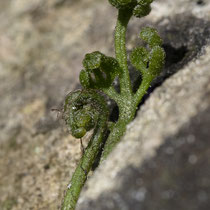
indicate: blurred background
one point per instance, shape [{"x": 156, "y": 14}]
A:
[{"x": 42, "y": 44}]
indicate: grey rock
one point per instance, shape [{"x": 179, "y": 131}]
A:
[
  {"x": 42, "y": 47},
  {"x": 165, "y": 148},
  {"x": 162, "y": 161}
]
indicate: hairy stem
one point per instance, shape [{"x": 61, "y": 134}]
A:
[
  {"x": 87, "y": 109},
  {"x": 80, "y": 175},
  {"x": 112, "y": 93},
  {"x": 120, "y": 50},
  {"x": 114, "y": 137},
  {"x": 127, "y": 111},
  {"x": 145, "y": 84}
]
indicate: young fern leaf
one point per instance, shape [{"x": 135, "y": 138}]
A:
[
  {"x": 104, "y": 69},
  {"x": 79, "y": 116},
  {"x": 87, "y": 109},
  {"x": 151, "y": 37},
  {"x": 140, "y": 58},
  {"x": 121, "y": 4},
  {"x": 84, "y": 110},
  {"x": 156, "y": 61},
  {"x": 149, "y": 63},
  {"x": 142, "y": 8}
]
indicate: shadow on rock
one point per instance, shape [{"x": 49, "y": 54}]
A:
[{"x": 176, "y": 178}]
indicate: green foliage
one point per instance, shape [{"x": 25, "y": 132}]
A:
[
  {"x": 151, "y": 37},
  {"x": 140, "y": 8},
  {"x": 140, "y": 59},
  {"x": 83, "y": 110},
  {"x": 149, "y": 62},
  {"x": 100, "y": 71},
  {"x": 87, "y": 109},
  {"x": 122, "y": 3}
]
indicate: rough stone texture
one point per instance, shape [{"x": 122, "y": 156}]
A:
[
  {"x": 162, "y": 162},
  {"x": 42, "y": 47}
]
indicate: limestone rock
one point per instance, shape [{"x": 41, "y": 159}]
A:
[{"x": 161, "y": 163}]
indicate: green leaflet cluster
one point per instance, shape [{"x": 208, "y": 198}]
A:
[
  {"x": 149, "y": 63},
  {"x": 87, "y": 109},
  {"x": 84, "y": 110},
  {"x": 100, "y": 71},
  {"x": 140, "y": 8}
]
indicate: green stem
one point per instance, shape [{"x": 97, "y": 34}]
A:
[
  {"x": 87, "y": 109},
  {"x": 145, "y": 84},
  {"x": 112, "y": 93},
  {"x": 121, "y": 52},
  {"x": 79, "y": 177},
  {"x": 127, "y": 109},
  {"x": 124, "y": 99},
  {"x": 114, "y": 137}
]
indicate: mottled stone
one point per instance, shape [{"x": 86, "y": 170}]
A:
[
  {"x": 42, "y": 47},
  {"x": 161, "y": 163}
]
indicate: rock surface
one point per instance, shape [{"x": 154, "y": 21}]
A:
[
  {"x": 42, "y": 47},
  {"x": 163, "y": 160},
  {"x": 161, "y": 163}
]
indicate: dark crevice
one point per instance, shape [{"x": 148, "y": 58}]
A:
[
  {"x": 173, "y": 55},
  {"x": 184, "y": 39},
  {"x": 177, "y": 177},
  {"x": 114, "y": 114},
  {"x": 200, "y": 2}
]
